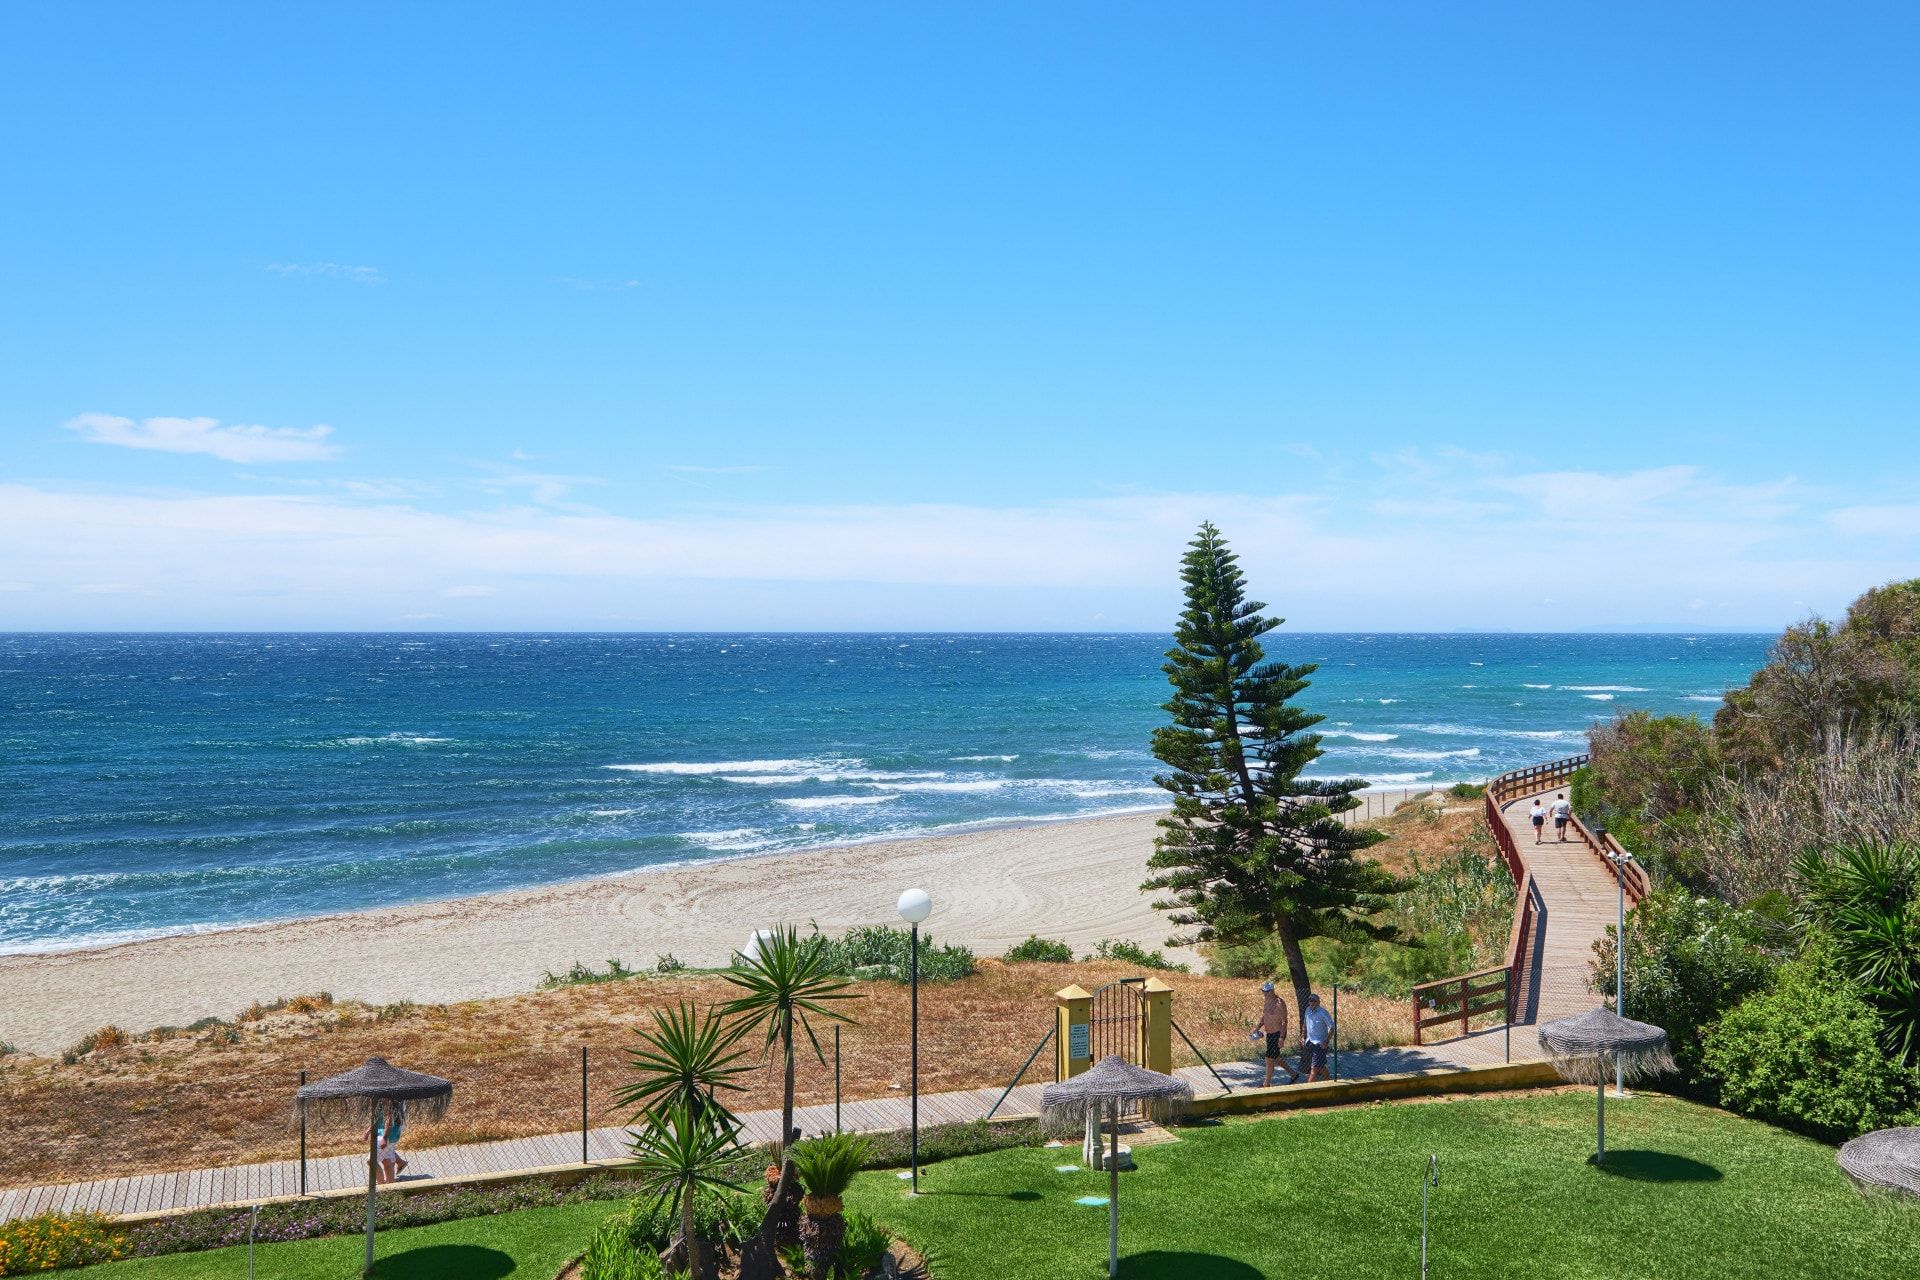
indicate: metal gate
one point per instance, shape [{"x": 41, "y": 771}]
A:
[{"x": 1115, "y": 1022}]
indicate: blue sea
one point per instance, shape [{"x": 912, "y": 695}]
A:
[{"x": 155, "y": 784}]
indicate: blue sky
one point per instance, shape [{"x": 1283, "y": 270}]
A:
[{"x": 864, "y": 315}]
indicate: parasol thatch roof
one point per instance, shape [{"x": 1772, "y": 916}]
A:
[
  {"x": 1113, "y": 1079},
  {"x": 355, "y": 1094},
  {"x": 1585, "y": 1046},
  {"x": 1886, "y": 1159}
]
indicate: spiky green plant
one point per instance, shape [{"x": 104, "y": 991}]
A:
[
  {"x": 686, "y": 1058},
  {"x": 825, "y": 1167},
  {"x": 1865, "y": 896},
  {"x": 677, "y": 1154},
  {"x": 785, "y": 985}
]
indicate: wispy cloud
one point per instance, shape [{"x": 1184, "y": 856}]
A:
[
  {"x": 546, "y": 488},
  {"x": 329, "y": 271},
  {"x": 236, "y": 442}
]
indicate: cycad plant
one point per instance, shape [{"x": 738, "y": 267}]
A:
[
  {"x": 784, "y": 986},
  {"x": 685, "y": 1059},
  {"x": 677, "y": 1155},
  {"x": 1866, "y": 897},
  {"x": 825, "y": 1167}
]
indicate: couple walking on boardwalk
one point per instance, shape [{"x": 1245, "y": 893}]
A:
[{"x": 1316, "y": 1033}]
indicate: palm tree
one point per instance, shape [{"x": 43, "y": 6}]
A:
[
  {"x": 826, "y": 1167},
  {"x": 677, "y": 1155},
  {"x": 787, "y": 982},
  {"x": 1866, "y": 897},
  {"x": 685, "y": 1058}
]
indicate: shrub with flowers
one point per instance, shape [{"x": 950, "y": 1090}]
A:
[{"x": 50, "y": 1241}]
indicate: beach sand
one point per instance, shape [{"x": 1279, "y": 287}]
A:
[{"x": 1075, "y": 881}]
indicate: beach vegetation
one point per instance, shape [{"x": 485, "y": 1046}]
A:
[
  {"x": 1467, "y": 790},
  {"x": 785, "y": 986},
  {"x": 679, "y": 1154},
  {"x": 686, "y": 1058},
  {"x": 826, "y": 1167},
  {"x": 53, "y": 1241},
  {"x": 1864, "y": 899},
  {"x": 669, "y": 963},
  {"x": 1122, "y": 951},
  {"x": 883, "y": 953},
  {"x": 1038, "y": 950},
  {"x": 1807, "y": 1053},
  {"x": 1252, "y": 849},
  {"x": 584, "y": 975}
]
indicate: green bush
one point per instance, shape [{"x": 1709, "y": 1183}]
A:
[
  {"x": 48, "y": 1241},
  {"x": 1134, "y": 954},
  {"x": 1689, "y": 960},
  {"x": 1467, "y": 790},
  {"x": 948, "y": 1141},
  {"x": 1805, "y": 1054},
  {"x": 1038, "y": 950},
  {"x": 585, "y": 975},
  {"x": 884, "y": 953},
  {"x": 862, "y": 1247}
]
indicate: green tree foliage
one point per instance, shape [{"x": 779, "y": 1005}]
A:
[
  {"x": 1039, "y": 950},
  {"x": 1865, "y": 897},
  {"x": 1252, "y": 849},
  {"x": 679, "y": 1154},
  {"x": 1806, "y": 1054},
  {"x": 684, "y": 1059},
  {"x": 1689, "y": 960}
]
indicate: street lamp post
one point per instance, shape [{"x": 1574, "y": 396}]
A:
[
  {"x": 1620, "y": 862},
  {"x": 914, "y": 906}
]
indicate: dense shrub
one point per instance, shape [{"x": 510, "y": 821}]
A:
[
  {"x": 1467, "y": 790},
  {"x": 50, "y": 1241},
  {"x": 1134, "y": 954},
  {"x": 949, "y": 1141},
  {"x": 1865, "y": 897},
  {"x": 884, "y": 952},
  {"x": 1689, "y": 960},
  {"x": 1038, "y": 950},
  {"x": 1805, "y": 1054}
]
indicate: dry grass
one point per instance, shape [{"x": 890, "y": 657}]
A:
[
  {"x": 1430, "y": 828},
  {"x": 223, "y": 1093}
]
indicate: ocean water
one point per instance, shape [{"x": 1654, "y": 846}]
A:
[{"x": 163, "y": 784}]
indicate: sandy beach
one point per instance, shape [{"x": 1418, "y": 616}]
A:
[{"x": 1077, "y": 881}]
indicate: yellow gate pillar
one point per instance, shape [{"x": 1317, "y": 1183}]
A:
[
  {"x": 1072, "y": 1040},
  {"x": 1156, "y": 1026}
]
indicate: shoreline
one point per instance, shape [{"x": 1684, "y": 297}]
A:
[{"x": 1076, "y": 880}]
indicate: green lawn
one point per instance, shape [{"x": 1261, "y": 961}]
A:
[
  {"x": 1688, "y": 1192},
  {"x": 532, "y": 1244}
]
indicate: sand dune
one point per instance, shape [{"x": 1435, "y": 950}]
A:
[{"x": 1077, "y": 881}]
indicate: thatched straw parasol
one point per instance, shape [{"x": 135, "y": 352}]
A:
[
  {"x": 1884, "y": 1160},
  {"x": 359, "y": 1094},
  {"x": 1585, "y": 1046},
  {"x": 1105, "y": 1086}
]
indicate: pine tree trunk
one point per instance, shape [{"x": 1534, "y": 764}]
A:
[{"x": 1297, "y": 972}]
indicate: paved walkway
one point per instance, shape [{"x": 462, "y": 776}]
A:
[{"x": 1575, "y": 904}]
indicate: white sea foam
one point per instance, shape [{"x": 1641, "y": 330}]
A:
[
  {"x": 1603, "y": 688},
  {"x": 1358, "y": 736},
  {"x": 980, "y": 784},
  {"x": 1386, "y": 701},
  {"x": 1597, "y": 697},
  {"x": 392, "y": 740},
  {"x": 1412, "y": 753},
  {"x": 735, "y": 839},
  {"x": 721, "y": 766},
  {"x": 610, "y": 813},
  {"x": 1536, "y": 686},
  {"x": 1701, "y": 697},
  {"x": 977, "y": 759},
  {"x": 831, "y": 802}
]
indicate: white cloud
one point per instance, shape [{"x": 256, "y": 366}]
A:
[
  {"x": 329, "y": 270},
  {"x": 1877, "y": 522},
  {"x": 1455, "y": 546},
  {"x": 230, "y": 443}
]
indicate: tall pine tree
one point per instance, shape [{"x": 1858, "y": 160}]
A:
[{"x": 1252, "y": 850}]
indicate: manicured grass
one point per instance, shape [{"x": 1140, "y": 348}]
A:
[
  {"x": 1687, "y": 1192},
  {"x": 532, "y": 1244}
]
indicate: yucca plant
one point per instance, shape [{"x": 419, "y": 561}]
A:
[
  {"x": 1866, "y": 897},
  {"x": 686, "y": 1058},
  {"x": 825, "y": 1167},
  {"x": 677, "y": 1155},
  {"x": 787, "y": 983}
]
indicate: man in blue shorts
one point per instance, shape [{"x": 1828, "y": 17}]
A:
[{"x": 1316, "y": 1033}]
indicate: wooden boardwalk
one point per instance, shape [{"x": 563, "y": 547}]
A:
[{"x": 1576, "y": 901}]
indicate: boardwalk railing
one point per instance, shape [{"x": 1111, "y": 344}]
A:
[{"x": 1464, "y": 997}]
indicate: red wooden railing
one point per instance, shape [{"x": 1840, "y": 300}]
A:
[{"x": 1467, "y": 996}]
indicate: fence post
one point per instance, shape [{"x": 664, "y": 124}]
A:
[
  {"x": 583, "y": 1104},
  {"x": 836, "y": 1077},
  {"x": 1335, "y": 1046},
  {"x": 1072, "y": 1049},
  {"x": 303, "y": 1137}
]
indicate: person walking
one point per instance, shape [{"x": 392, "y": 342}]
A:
[
  {"x": 1273, "y": 1025},
  {"x": 1562, "y": 811},
  {"x": 1316, "y": 1033},
  {"x": 387, "y": 1122},
  {"x": 1539, "y": 815}
]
